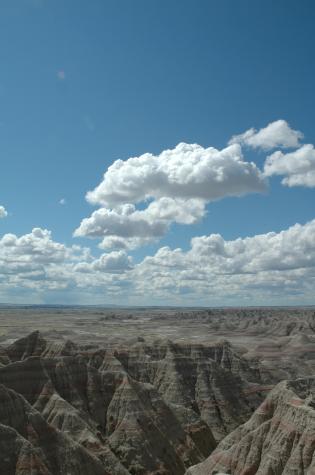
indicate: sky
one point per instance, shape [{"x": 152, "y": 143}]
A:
[{"x": 157, "y": 152}]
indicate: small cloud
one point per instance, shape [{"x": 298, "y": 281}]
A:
[
  {"x": 61, "y": 75},
  {"x": 62, "y": 201},
  {"x": 275, "y": 134},
  {"x": 297, "y": 168},
  {"x": 3, "y": 212}
]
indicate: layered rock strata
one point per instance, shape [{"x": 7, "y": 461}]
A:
[
  {"x": 278, "y": 439},
  {"x": 139, "y": 409}
]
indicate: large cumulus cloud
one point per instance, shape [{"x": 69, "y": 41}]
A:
[
  {"x": 178, "y": 184},
  {"x": 187, "y": 171}
]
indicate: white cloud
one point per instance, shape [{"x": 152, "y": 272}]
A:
[
  {"x": 35, "y": 262},
  {"x": 115, "y": 262},
  {"x": 178, "y": 210},
  {"x": 179, "y": 183},
  {"x": 36, "y": 247},
  {"x": 185, "y": 172},
  {"x": 276, "y": 134},
  {"x": 125, "y": 227},
  {"x": 297, "y": 167},
  {"x": 3, "y": 212},
  {"x": 138, "y": 201},
  {"x": 290, "y": 249},
  {"x": 273, "y": 267},
  {"x": 267, "y": 266},
  {"x": 117, "y": 242}
]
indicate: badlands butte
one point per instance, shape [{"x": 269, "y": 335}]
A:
[{"x": 94, "y": 391}]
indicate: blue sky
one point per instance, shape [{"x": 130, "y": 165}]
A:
[{"x": 84, "y": 83}]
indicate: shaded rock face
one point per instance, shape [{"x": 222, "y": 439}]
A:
[
  {"x": 279, "y": 438},
  {"x": 142, "y": 409},
  {"x": 32, "y": 345},
  {"x": 28, "y": 444},
  {"x": 197, "y": 379}
]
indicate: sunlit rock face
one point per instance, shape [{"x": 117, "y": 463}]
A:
[
  {"x": 155, "y": 408},
  {"x": 279, "y": 438}
]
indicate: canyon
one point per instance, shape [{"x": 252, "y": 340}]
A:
[{"x": 157, "y": 391}]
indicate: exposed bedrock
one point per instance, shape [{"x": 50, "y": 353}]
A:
[
  {"x": 142, "y": 409},
  {"x": 279, "y": 438}
]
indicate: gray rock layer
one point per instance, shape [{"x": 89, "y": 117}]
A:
[
  {"x": 141, "y": 409},
  {"x": 279, "y": 438}
]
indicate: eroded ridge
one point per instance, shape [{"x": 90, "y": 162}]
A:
[
  {"x": 145, "y": 408},
  {"x": 279, "y": 438}
]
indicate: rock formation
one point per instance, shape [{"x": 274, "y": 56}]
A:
[
  {"x": 141, "y": 409},
  {"x": 279, "y": 438},
  {"x": 153, "y": 407}
]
